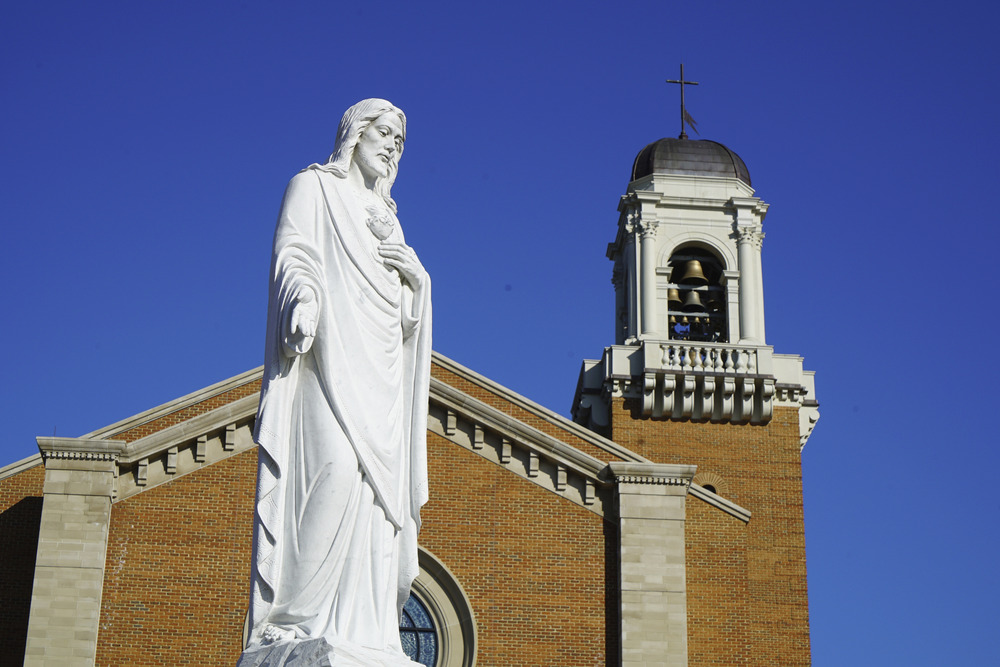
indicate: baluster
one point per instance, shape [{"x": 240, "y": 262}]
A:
[
  {"x": 686, "y": 365},
  {"x": 729, "y": 360},
  {"x": 719, "y": 364}
]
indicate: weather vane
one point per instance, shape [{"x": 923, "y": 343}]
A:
[{"x": 685, "y": 116}]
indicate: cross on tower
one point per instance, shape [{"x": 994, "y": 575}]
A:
[{"x": 685, "y": 116}]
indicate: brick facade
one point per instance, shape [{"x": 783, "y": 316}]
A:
[
  {"x": 178, "y": 567},
  {"x": 20, "y": 514},
  {"x": 540, "y": 571},
  {"x": 531, "y": 563},
  {"x": 755, "y": 572}
]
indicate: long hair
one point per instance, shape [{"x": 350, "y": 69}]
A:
[{"x": 355, "y": 121}]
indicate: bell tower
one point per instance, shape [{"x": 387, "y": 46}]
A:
[
  {"x": 691, "y": 384},
  {"x": 688, "y": 246},
  {"x": 690, "y": 342}
]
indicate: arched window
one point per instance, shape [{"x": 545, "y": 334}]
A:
[
  {"x": 696, "y": 297},
  {"x": 438, "y": 628},
  {"x": 418, "y": 633}
]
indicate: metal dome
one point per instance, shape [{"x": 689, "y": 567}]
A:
[{"x": 698, "y": 157}]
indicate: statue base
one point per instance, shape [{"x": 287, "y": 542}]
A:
[{"x": 319, "y": 653}]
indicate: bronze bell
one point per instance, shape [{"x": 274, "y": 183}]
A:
[
  {"x": 693, "y": 275},
  {"x": 673, "y": 299},
  {"x": 692, "y": 304}
]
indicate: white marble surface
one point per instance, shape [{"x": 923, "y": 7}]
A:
[
  {"x": 342, "y": 417},
  {"x": 319, "y": 653}
]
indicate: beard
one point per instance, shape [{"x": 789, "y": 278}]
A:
[{"x": 372, "y": 164}]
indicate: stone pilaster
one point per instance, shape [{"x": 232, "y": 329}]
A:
[
  {"x": 751, "y": 292},
  {"x": 647, "y": 280},
  {"x": 72, "y": 544},
  {"x": 651, "y": 515}
]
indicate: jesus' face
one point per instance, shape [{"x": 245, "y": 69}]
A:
[{"x": 378, "y": 146}]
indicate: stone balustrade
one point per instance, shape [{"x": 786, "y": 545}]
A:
[
  {"x": 697, "y": 357},
  {"x": 680, "y": 380}
]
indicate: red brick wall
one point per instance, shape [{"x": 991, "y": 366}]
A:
[
  {"x": 718, "y": 587},
  {"x": 762, "y": 468},
  {"x": 20, "y": 513},
  {"x": 531, "y": 563},
  {"x": 178, "y": 569}
]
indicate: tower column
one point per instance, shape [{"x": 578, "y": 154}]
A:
[
  {"x": 751, "y": 297},
  {"x": 758, "y": 243},
  {"x": 647, "y": 272}
]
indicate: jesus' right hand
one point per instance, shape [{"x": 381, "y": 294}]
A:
[{"x": 302, "y": 323}]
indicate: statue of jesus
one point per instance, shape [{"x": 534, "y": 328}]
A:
[{"x": 342, "y": 470}]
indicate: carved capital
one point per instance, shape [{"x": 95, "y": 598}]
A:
[
  {"x": 750, "y": 234},
  {"x": 647, "y": 228}
]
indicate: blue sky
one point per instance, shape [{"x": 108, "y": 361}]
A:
[{"x": 146, "y": 146}]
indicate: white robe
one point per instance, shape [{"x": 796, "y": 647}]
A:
[{"x": 342, "y": 470}]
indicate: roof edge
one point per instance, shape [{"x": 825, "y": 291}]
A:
[
  {"x": 178, "y": 403},
  {"x": 18, "y": 467},
  {"x": 538, "y": 410}
]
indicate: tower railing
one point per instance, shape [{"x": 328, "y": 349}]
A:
[{"x": 696, "y": 357}]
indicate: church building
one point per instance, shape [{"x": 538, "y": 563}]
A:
[{"x": 661, "y": 525}]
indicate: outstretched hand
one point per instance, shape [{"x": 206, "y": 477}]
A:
[
  {"x": 401, "y": 257},
  {"x": 302, "y": 322}
]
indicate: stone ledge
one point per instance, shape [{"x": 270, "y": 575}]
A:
[
  {"x": 519, "y": 448},
  {"x": 18, "y": 467},
  {"x": 179, "y": 403},
  {"x": 628, "y": 472},
  {"x": 80, "y": 449},
  {"x": 721, "y": 503},
  {"x": 540, "y": 411}
]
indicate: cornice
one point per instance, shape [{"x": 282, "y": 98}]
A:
[
  {"x": 155, "y": 443},
  {"x": 669, "y": 474},
  {"x": 179, "y": 403},
  {"x": 523, "y": 449},
  {"x": 652, "y": 180},
  {"x": 491, "y": 433},
  {"x": 212, "y": 436},
  {"x": 682, "y": 380},
  {"x": 517, "y": 447},
  {"x": 504, "y": 424},
  {"x": 18, "y": 467},
  {"x": 539, "y": 411},
  {"x": 80, "y": 449},
  {"x": 753, "y": 204}
]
